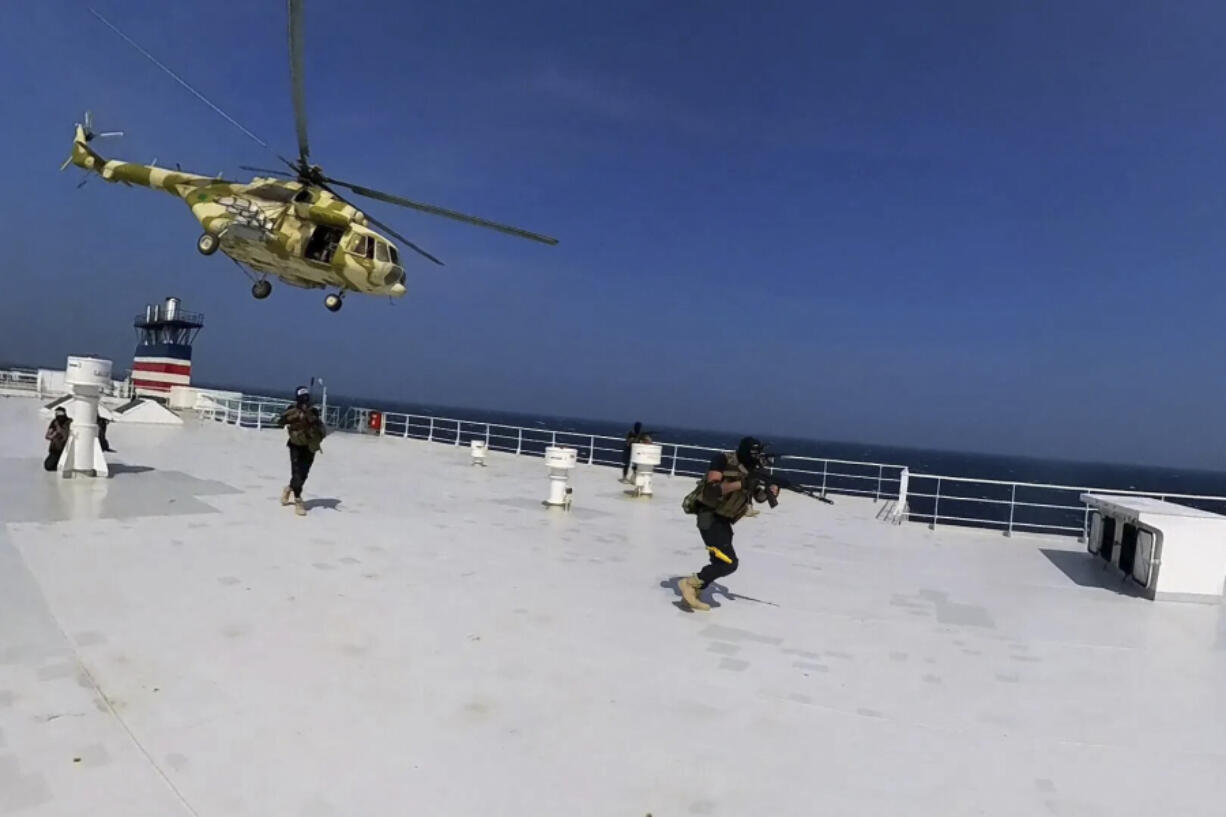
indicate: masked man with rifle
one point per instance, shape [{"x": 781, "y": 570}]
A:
[
  {"x": 306, "y": 432},
  {"x": 734, "y": 480}
]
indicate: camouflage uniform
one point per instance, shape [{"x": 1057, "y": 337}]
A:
[{"x": 306, "y": 432}]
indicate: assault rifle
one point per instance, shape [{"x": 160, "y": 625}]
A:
[{"x": 763, "y": 477}]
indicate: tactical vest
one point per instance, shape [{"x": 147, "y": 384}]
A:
[
  {"x": 734, "y": 505},
  {"x": 304, "y": 429}
]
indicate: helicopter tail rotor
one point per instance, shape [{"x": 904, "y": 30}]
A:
[
  {"x": 87, "y": 130},
  {"x": 82, "y": 154}
]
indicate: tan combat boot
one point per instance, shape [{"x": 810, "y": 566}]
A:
[
  {"x": 299, "y": 507},
  {"x": 285, "y": 499},
  {"x": 690, "y": 587}
]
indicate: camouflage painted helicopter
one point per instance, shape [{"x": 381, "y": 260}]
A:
[{"x": 293, "y": 226}]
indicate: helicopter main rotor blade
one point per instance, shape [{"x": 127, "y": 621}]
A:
[
  {"x": 295, "y": 75},
  {"x": 444, "y": 212},
  {"x": 402, "y": 239},
  {"x": 145, "y": 53}
]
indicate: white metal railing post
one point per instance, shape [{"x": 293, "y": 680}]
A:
[
  {"x": 1012, "y": 505},
  {"x": 555, "y": 439},
  {"x": 519, "y": 442},
  {"x": 591, "y": 452},
  {"x": 459, "y": 426},
  {"x": 904, "y": 482},
  {"x": 430, "y": 436},
  {"x": 487, "y": 435},
  {"x": 825, "y": 467},
  {"x": 673, "y": 472},
  {"x": 259, "y": 416},
  {"x": 878, "y": 496},
  {"x": 936, "y": 504},
  {"x": 1085, "y": 525},
  {"x": 408, "y": 419}
]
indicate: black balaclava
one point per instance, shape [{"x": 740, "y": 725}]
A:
[
  {"x": 638, "y": 427},
  {"x": 748, "y": 451},
  {"x": 302, "y": 395}
]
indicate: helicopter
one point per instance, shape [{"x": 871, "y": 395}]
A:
[{"x": 293, "y": 225}]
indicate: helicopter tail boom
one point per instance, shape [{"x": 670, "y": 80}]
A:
[{"x": 85, "y": 157}]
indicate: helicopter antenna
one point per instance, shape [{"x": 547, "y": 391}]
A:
[{"x": 186, "y": 85}]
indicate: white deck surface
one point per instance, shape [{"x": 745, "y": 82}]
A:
[{"x": 431, "y": 641}]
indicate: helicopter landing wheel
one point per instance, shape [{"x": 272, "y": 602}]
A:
[
  {"x": 333, "y": 303},
  {"x": 261, "y": 290},
  {"x": 207, "y": 244}
]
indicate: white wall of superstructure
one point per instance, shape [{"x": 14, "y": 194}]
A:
[{"x": 1172, "y": 551}]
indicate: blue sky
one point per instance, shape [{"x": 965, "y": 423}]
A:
[{"x": 985, "y": 226}]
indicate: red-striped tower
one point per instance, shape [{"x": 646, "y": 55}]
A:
[{"x": 164, "y": 348}]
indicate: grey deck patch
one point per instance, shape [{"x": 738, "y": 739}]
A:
[
  {"x": 44, "y": 497},
  {"x": 723, "y": 648},
  {"x": 810, "y": 666},
  {"x": 963, "y": 615},
  {"x": 89, "y": 638},
  {"x": 722, "y": 633}
]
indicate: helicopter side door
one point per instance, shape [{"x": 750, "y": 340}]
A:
[{"x": 323, "y": 243}]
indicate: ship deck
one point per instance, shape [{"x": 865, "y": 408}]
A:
[{"x": 431, "y": 640}]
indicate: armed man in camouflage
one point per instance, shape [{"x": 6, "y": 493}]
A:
[
  {"x": 306, "y": 432},
  {"x": 724, "y": 496}
]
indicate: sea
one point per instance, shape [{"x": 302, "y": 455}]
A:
[{"x": 994, "y": 490}]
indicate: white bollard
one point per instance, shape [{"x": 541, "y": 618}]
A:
[
  {"x": 85, "y": 377},
  {"x": 645, "y": 457},
  {"x": 560, "y": 462},
  {"x": 479, "y": 450}
]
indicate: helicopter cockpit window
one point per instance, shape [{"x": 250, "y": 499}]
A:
[
  {"x": 361, "y": 247},
  {"x": 304, "y": 196},
  {"x": 380, "y": 251},
  {"x": 395, "y": 255}
]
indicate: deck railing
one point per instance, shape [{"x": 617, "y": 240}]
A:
[
  {"x": 1007, "y": 506},
  {"x": 29, "y": 381},
  {"x": 21, "y": 380}
]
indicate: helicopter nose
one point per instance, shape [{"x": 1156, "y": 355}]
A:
[{"x": 397, "y": 290}]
